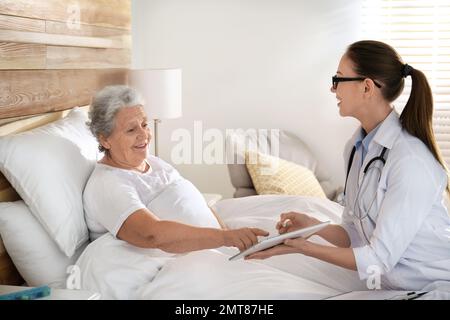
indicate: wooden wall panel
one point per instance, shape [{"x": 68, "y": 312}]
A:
[
  {"x": 23, "y": 24},
  {"x": 22, "y": 56},
  {"x": 88, "y": 58},
  {"x": 7, "y": 192},
  {"x": 83, "y": 30},
  {"x": 3, "y": 182},
  {"x": 8, "y": 273},
  {"x": 40, "y": 91},
  {"x": 35, "y": 34},
  {"x": 62, "y": 40},
  {"x": 109, "y": 13}
]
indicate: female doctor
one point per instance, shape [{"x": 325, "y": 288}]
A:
[{"x": 394, "y": 220}]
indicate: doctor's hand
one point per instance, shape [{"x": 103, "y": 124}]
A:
[
  {"x": 274, "y": 251},
  {"x": 298, "y": 245},
  {"x": 242, "y": 238},
  {"x": 292, "y": 221}
]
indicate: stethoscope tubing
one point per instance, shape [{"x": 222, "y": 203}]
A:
[
  {"x": 366, "y": 168},
  {"x": 350, "y": 163}
]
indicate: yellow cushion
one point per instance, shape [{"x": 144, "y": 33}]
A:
[{"x": 272, "y": 175}]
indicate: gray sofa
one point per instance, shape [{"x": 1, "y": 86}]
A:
[{"x": 290, "y": 148}]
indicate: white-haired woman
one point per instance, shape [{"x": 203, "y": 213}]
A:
[{"x": 140, "y": 198}]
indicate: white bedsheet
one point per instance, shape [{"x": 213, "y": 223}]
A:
[
  {"x": 264, "y": 212},
  {"x": 118, "y": 270}
]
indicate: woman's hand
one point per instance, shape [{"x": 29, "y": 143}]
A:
[
  {"x": 289, "y": 246},
  {"x": 343, "y": 257},
  {"x": 242, "y": 238},
  {"x": 292, "y": 221}
]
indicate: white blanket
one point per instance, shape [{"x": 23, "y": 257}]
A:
[
  {"x": 118, "y": 270},
  {"x": 264, "y": 212}
]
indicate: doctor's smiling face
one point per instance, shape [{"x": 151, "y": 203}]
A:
[{"x": 350, "y": 94}]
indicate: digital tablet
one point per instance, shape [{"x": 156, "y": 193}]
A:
[{"x": 275, "y": 240}]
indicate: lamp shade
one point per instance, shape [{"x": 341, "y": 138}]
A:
[{"x": 161, "y": 90}]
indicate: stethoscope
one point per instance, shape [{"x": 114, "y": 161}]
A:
[{"x": 366, "y": 168}]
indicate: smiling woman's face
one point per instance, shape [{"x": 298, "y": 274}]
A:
[
  {"x": 128, "y": 143},
  {"x": 348, "y": 94}
]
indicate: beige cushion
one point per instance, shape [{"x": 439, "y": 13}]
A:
[
  {"x": 272, "y": 175},
  {"x": 286, "y": 146}
]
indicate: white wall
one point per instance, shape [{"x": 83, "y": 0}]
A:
[{"x": 251, "y": 64}]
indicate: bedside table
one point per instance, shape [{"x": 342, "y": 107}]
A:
[
  {"x": 56, "y": 294},
  {"x": 211, "y": 198}
]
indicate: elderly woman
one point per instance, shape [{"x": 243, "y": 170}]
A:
[{"x": 140, "y": 198}]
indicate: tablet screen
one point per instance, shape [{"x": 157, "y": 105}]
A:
[{"x": 275, "y": 240}]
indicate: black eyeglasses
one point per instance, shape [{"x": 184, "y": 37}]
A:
[{"x": 335, "y": 80}]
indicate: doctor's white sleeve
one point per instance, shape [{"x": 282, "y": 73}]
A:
[
  {"x": 411, "y": 191},
  {"x": 349, "y": 226}
]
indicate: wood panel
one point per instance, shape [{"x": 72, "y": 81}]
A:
[
  {"x": 22, "y": 56},
  {"x": 62, "y": 40},
  {"x": 40, "y": 34},
  {"x": 4, "y": 184},
  {"x": 88, "y": 58},
  {"x": 7, "y": 192},
  {"x": 8, "y": 273},
  {"x": 109, "y": 13},
  {"x": 83, "y": 30},
  {"x": 34, "y": 92},
  {"x": 25, "y": 123},
  {"x": 23, "y": 24}
]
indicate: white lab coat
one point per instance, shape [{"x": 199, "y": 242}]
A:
[{"x": 407, "y": 226}]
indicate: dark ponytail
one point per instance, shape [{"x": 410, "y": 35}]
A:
[
  {"x": 379, "y": 61},
  {"x": 417, "y": 116}
]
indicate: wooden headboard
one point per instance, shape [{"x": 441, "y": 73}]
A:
[{"x": 54, "y": 55}]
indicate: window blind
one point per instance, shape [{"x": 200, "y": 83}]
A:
[{"x": 420, "y": 32}]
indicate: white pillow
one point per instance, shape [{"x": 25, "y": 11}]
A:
[
  {"x": 35, "y": 255},
  {"x": 49, "y": 167}
]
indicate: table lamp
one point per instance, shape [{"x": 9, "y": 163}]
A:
[{"x": 161, "y": 90}]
